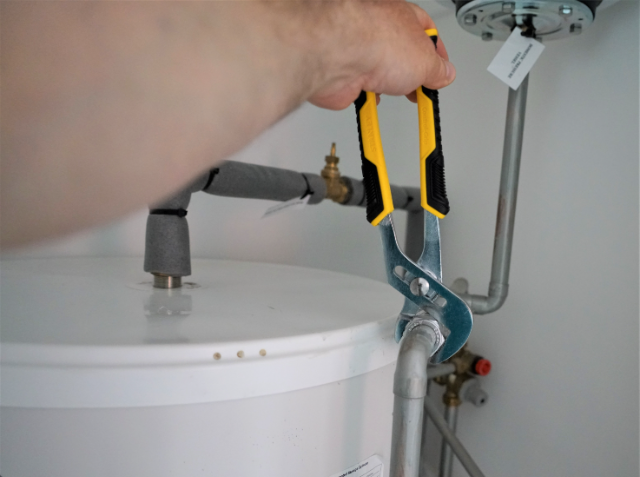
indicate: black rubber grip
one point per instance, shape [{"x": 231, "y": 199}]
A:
[
  {"x": 436, "y": 186},
  {"x": 371, "y": 180}
]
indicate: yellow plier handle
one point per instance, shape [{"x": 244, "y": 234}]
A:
[
  {"x": 433, "y": 192},
  {"x": 374, "y": 169}
]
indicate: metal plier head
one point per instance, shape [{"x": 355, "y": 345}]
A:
[{"x": 421, "y": 282}]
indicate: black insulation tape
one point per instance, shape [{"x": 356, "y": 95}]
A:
[{"x": 177, "y": 212}]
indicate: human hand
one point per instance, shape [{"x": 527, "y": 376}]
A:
[{"x": 383, "y": 48}]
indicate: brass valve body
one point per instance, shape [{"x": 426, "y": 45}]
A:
[
  {"x": 452, "y": 383},
  {"x": 337, "y": 189},
  {"x": 466, "y": 363}
]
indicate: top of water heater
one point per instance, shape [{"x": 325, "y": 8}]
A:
[{"x": 94, "y": 333}]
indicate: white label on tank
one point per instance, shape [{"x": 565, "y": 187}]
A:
[
  {"x": 292, "y": 204},
  {"x": 515, "y": 59},
  {"x": 371, "y": 467}
]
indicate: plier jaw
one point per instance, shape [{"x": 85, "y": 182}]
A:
[
  {"x": 421, "y": 282},
  {"x": 423, "y": 290}
]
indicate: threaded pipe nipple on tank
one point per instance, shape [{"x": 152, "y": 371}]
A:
[{"x": 166, "y": 281}]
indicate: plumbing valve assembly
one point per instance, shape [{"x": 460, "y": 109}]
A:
[
  {"x": 462, "y": 384},
  {"x": 460, "y": 377}
]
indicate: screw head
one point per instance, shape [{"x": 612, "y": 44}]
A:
[
  {"x": 470, "y": 19},
  {"x": 508, "y": 7},
  {"x": 487, "y": 36},
  {"x": 575, "y": 29},
  {"x": 566, "y": 10},
  {"x": 419, "y": 286}
]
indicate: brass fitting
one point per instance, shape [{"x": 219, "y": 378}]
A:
[
  {"x": 467, "y": 364},
  {"x": 161, "y": 280},
  {"x": 337, "y": 189},
  {"x": 453, "y": 383}
]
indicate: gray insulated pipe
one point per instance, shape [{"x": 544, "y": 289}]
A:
[
  {"x": 167, "y": 249},
  {"x": 250, "y": 181}
]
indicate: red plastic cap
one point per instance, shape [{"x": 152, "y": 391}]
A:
[{"x": 482, "y": 367}]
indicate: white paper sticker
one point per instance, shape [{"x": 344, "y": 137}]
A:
[
  {"x": 293, "y": 204},
  {"x": 515, "y": 59},
  {"x": 371, "y": 467}
]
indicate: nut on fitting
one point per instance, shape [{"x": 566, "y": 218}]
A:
[
  {"x": 337, "y": 190},
  {"x": 451, "y": 398},
  {"x": 433, "y": 326}
]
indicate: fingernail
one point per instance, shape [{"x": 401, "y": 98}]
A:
[{"x": 451, "y": 71}]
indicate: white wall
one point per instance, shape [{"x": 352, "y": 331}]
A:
[{"x": 564, "y": 390}]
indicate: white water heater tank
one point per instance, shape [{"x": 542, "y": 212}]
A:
[{"x": 252, "y": 370}]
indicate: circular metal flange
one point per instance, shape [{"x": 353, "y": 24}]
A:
[{"x": 552, "y": 19}]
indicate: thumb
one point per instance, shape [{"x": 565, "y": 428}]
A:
[{"x": 439, "y": 72}]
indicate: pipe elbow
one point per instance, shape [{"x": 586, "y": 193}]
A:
[{"x": 482, "y": 305}]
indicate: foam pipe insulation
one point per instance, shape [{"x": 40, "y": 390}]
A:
[{"x": 167, "y": 250}]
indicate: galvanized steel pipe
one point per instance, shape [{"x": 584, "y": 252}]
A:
[
  {"x": 446, "y": 455},
  {"x": 512, "y": 152},
  {"x": 441, "y": 370},
  {"x": 456, "y": 446},
  {"x": 410, "y": 389}
]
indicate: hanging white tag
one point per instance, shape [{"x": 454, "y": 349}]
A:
[
  {"x": 372, "y": 467},
  {"x": 292, "y": 204},
  {"x": 515, "y": 59}
]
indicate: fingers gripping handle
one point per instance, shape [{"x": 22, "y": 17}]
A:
[
  {"x": 374, "y": 168},
  {"x": 433, "y": 190}
]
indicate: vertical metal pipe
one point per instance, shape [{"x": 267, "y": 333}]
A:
[
  {"x": 424, "y": 446},
  {"x": 446, "y": 454},
  {"x": 410, "y": 389},
  {"x": 433, "y": 372},
  {"x": 457, "y": 447},
  {"x": 406, "y": 437},
  {"x": 511, "y": 155},
  {"x": 414, "y": 240}
]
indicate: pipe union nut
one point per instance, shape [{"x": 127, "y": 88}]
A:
[{"x": 434, "y": 326}]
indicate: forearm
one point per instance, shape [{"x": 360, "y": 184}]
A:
[{"x": 124, "y": 102}]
